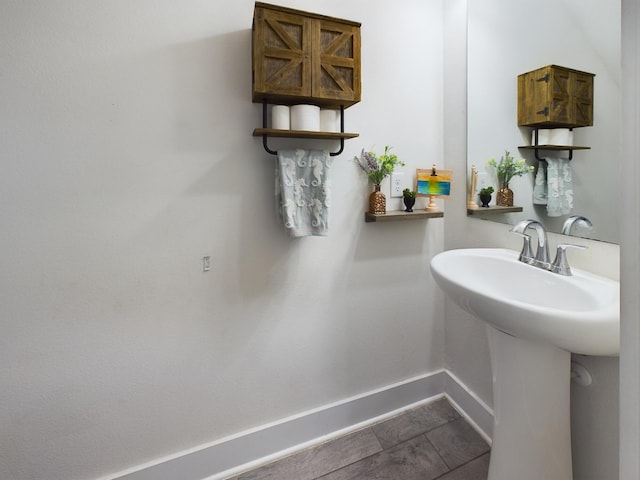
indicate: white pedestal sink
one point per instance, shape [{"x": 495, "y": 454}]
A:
[{"x": 534, "y": 320}]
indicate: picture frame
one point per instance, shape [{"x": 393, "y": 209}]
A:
[{"x": 433, "y": 183}]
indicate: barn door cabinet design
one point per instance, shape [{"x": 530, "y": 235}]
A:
[
  {"x": 304, "y": 58},
  {"x": 555, "y": 97}
]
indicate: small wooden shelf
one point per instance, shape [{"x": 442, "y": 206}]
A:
[
  {"x": 568, "y": 148},
  {"x": 492, "y": 209},
  {"x": 397, "y": 215},
  {"x": 272, "y": 132},
  {"x": 554, "y": 147}
]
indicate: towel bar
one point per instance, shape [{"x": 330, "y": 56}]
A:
[
  {"x": 536, "y": 147},
  {"x": 544, "y": 160}
]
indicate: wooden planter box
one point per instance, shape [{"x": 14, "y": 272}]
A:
[{"x": 555, "y": 97}]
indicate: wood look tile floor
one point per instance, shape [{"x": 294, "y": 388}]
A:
[{"x": 428, "y": 442}]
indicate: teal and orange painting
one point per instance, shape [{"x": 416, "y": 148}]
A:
[{"x": 434, "y": 182}]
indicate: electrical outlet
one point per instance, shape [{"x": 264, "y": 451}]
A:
[
  {"x": 397, "y": 184},
  {"x": 482, "y": 182},
  {"x": 206, "y": 264}
]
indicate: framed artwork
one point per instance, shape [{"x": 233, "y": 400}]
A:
[{"x": 433, "y": 182}]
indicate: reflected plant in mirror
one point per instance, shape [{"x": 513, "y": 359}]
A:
[
  {"x": 485, "y": 196},
  {"x": 507, "y": 168}
]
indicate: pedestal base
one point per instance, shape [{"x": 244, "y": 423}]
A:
[{"x": 531, "y": 401}]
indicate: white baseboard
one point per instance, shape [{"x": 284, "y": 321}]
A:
[
  {"x": 470, "y": 406},
  {"x": 247, "y": 449}
]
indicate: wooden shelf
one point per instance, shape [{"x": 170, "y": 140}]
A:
[
  {"x": 492, "y": 209},
  {"x": 397, "y": 215},
  {"x": 554, "y": 147},
  {"x": 567, "y": 148},
  {"x": 272, "y": 132}
]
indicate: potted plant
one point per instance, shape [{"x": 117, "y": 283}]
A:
[
  {"x": 409, "y": 199},
  {"x": 377, "y": 169},
  {"x": 506, "y": 169},
  {"x": 485, "y": 195}
]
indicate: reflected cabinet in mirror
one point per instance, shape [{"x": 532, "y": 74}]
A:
[{"x": 507, "y": 39}]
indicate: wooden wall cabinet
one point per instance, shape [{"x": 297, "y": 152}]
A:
[
  {"x": 555, "y": 97},
  {"x": 301, "y": 57}
]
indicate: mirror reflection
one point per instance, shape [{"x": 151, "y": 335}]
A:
[{"x": 506, "y": 39}]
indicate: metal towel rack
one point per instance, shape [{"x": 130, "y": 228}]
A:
[
  {"x": 536, "y": 150},
  {"x": 275, "y": 152}
]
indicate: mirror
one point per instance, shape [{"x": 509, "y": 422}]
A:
[{"x": 507, "y": 38}]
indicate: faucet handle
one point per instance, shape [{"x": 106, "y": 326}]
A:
[
  {"x": 526, "y": 255},
  {"x": 561, "y": 265}
]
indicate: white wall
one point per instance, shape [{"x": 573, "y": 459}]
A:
[
  {"x": 630, "y": 249},
  {"x": 127, "y": 156},
  {"x": 594, "y": 409}
]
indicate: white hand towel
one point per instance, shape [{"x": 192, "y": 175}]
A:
[
  {"x": 560, "y": 188},
  {"x": 540, "y": 191},
  {"x": 303, "y": 191}
]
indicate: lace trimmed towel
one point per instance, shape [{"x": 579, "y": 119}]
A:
[
  {"x": 540, "y": 185},
  {"x": 303, "y": 191},
  {"x": 559, "y": 187}
]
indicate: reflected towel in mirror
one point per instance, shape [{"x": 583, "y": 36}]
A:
[
  {"x": 559, "y": 187},
  {"x": 540, "y": 185}
]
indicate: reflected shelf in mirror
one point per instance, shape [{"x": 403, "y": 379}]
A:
[{"x": 492, "y": 209}]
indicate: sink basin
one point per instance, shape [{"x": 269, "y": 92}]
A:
[
  {"x": 578, "y": 313},
  {"x": 534, "y": 319}
]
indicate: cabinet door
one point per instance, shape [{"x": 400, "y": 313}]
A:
[
  {"x": 335, "y": 61},
  {"x": 281, "y": 54},
  {"x": 558, "y": 87},
  {"x": 582, "y": 96},
  {"x": 571, "y": 97}
]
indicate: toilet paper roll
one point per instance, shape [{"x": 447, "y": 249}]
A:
[
  {"x": 305, "y": 117},
  {"x": 561, "y": 136},
  {"x": 280, "y": 117},
  {"x": 544, "y": 137},
  {"x": 329, "y": 120}
]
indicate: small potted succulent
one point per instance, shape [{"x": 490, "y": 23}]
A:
[
  {"x": 409, "y": 199},
  {"x": 485, "y": 195}
]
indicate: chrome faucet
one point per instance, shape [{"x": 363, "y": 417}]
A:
[
  {"x": 560, "y": 265},
  {"x": 541, "y": 258},
  {"x": 572, "y": 220}
]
